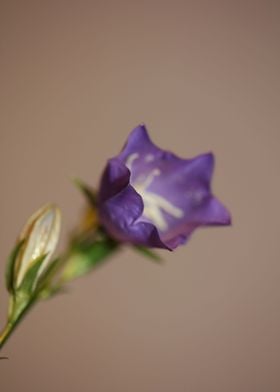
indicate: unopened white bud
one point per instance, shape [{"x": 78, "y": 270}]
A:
[{"x": 40, "y": 236}]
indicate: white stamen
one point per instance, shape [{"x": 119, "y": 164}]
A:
[
  {"x": 149, "y": 179},
  {"x": 154, "y": 204},
  {"x": 130, "y": 159}
]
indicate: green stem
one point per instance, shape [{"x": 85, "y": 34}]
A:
[
  {"x": 5, "y": 334},
  {"x": 13, "y": 322}
]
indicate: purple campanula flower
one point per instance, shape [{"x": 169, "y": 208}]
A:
[{"x": 151, "y": 197}]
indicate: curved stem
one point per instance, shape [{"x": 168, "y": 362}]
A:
[
  {"x": 13, "y": 322},
  {"x": 5, "y": 334}
]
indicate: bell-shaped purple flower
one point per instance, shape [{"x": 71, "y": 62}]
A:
[{"x": 151, "y": 197}]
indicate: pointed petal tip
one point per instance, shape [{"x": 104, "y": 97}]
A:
[
  {"x": 226, "y": 220},
  {"x": 137, "y": 141},
  {"x": 210, "y": 157},
  {"x": 207, "y": 159},
  {"x": 173, "y": 243},
  {"x": 221, "y": 214},
  {"x": 142, "y": 125},
  {"x": 140, "y": 131},
  {"x": 201, "y": 167}
]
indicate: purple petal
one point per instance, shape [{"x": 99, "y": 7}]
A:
[
  {"x": 200, "y": 169},
  {"x": 180, "y": 239},
  {"x": 138, "y": 142},
  {"x": 146, "y": 234},
  {"x": 114, "y": 179},
  {"x": 214, "y": 213},
  {"x": 119, "y": 215},
  {"x": 211, "y": 213},
  {"x": 121, "y": 211}
]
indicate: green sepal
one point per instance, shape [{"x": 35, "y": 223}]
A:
[
  {"x": 46, "y": 287},
  {"x": 87, "y": 191},
  {"x": 85, "y": 257},
  {"x": 148, "y": 253},
  {"x": 10, "y": 268},
  {"x": 48, "y": 274},
  {"x": 20, "y": 302},
  {"x": 27, "y": 285},
  {"x": 50, "y": 291}
]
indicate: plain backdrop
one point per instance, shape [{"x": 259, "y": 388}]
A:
[{"x": 76, "y": 77}]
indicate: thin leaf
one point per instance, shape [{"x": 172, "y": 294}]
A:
[
  {"x": 88, "y": 192},
  {"x": 10, "y": 269},
  {"x": 148, "y": 253}
]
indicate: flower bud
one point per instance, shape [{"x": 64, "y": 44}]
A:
[{"x": 39, "y": 237}]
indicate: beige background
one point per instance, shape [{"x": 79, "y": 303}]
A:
[{"x": 76, "y": 77}]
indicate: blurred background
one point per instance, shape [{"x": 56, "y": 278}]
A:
[{"x": 76, "y": 77}]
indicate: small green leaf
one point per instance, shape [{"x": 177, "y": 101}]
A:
[
  {"x": 10, "y": 269},
  {"x": 148, "y": 253},
  {"x": 88, "y": 192},
  {"x": 27, "y": 285}
]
